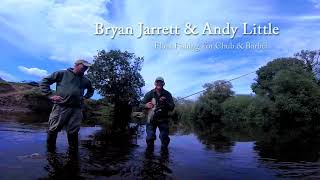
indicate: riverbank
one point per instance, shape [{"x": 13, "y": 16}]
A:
[
  {"x": 25, "y": 102},
  {"x": 22, "y": 99}
]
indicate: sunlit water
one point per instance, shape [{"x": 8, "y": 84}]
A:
[{"x": 23, "y": 155}]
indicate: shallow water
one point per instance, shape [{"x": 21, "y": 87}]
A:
[{"x": 23, "y": 155}]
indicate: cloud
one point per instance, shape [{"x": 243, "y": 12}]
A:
[
  {"x": 6, "y": 76},
  {"x": 316, "y": 3},
  {"x": 33, "y": 71},
  {"x": 64, "y": 31}
]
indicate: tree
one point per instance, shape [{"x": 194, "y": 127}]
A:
[
  {"x": 266, "y": 74},
  {"x": 297, "y": 98},
  {"x": 311, "y": 59},
  {"x": 295, "y": 94},
  {"x": 116, "y": 76},
  {"x": 245, "y": 112},
  {"x": 182, "y": 112},
  {"x": 234, "y": 108},
  {"x": 208, "y": 109},
  {"x": 219, "y": 90}
]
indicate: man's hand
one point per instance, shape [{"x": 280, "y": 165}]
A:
[
  {"x": 56, "y": 98},
  {"x": 162, "y": 99},
  {"x": 149, "y": 105}
]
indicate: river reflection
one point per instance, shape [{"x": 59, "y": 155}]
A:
[
  {"x": 298, "y": 158},
  {"x": 155, "y": 166},
  {"x": 210, "y": 154},
  {"x": 63, "y": 167},
  {"x": 215, "y": 140}
]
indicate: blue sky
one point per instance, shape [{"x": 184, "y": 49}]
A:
[{"x": 38, "y": 37}]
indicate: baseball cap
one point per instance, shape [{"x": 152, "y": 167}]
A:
[
  {"x": 84, "y": 62},
  {"x": 159, "y": 79}
]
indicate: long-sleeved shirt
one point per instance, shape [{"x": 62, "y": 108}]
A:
[
  {"x": 165, "y": 106},
  {"x": 69, "y": 86}
]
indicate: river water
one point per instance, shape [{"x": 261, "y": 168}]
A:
[{"x": 23, "y": 155}]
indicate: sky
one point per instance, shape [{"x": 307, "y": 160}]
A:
[{"x": 38, "y": 37}]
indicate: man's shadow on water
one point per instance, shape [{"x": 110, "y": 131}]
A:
[
  {"x": 63, "y": 166},
  {"x": 156, "y": 166},
  {"x": 97, "y": 155}
]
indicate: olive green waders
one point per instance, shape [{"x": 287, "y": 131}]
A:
[{"x": 64, "y": 117}]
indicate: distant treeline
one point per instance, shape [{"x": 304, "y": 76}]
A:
[{"x": 286, "y": 102}]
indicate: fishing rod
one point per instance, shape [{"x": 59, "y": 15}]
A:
[{"x": 224, "y": 82}]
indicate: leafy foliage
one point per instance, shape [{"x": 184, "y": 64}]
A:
[
  {"x": 116, "y": 76},
  {"x": 286, "y": 104},
  {"x": 311, "y": 59}
]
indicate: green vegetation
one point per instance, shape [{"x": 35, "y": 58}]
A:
[
  {"x": 116, "y": 76},
  {"x": 98, "y": 112},
  {"x": 286, "y": 103}
]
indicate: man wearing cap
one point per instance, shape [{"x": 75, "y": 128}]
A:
[
  {"x": 67, "y": 99},
  {"x": 161, "y": 102}
]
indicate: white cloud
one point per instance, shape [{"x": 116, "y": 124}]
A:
[
  {"x": 316, "y": 3},
  {"x": 7, "y": 77},
  {"x": 33, "y": 71},
  {"x": 64, "y": 31}
]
